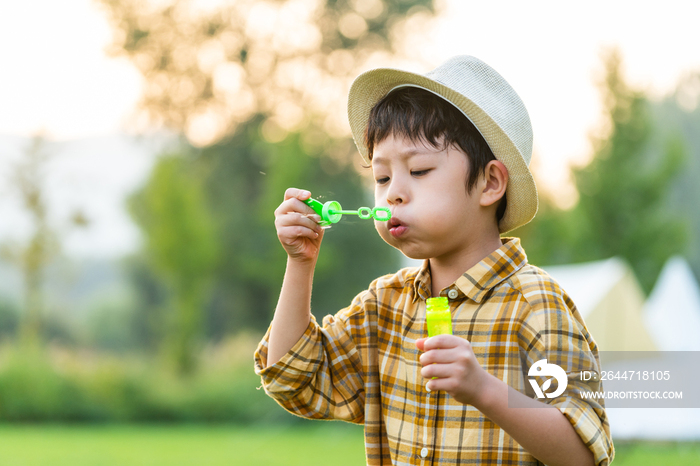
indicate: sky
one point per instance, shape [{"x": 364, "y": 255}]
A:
[{"x": 57, "y": 79}]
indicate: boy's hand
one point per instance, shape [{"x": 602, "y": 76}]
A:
[
  {"x": 297, "y": 226},
  {"x": 451, "y": 360}
]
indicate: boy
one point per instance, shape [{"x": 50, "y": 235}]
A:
[{"x": 449, "y": 152}]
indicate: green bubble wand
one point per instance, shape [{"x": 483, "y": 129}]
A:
[{"x": 331, "y": 212}]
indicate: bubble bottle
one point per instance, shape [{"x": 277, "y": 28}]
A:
[{"x": 438, "y": 316}]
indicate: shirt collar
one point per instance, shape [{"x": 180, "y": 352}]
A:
[
  {"x": 422, "y": 283},
  {"x": 482, "y": 277}
]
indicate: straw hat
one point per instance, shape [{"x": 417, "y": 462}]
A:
[{"x": 485, "y": 98}]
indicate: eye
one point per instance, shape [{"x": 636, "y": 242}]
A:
[
  {"x": 383, "y": 180},
  {"x": 420, "y": 172}
]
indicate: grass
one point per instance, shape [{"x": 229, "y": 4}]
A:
[
  {"x": 107, "y": 445},
  {"x": 657, "y": 454},
  {"x": 308, "y": 444}
]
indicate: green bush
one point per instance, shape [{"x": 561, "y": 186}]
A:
[
  {"x": 31, "y": 391},
  {"x": 72, "y": 387}
]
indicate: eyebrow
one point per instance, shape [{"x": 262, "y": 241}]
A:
[{"x": 403, "y": 155}]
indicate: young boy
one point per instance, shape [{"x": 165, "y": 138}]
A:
[{"x": 449, "y": 152}]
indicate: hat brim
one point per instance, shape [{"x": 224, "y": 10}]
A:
[{"x": 373, "y": 85}]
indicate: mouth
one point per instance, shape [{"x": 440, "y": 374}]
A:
[{"x": 396, "y": 227}]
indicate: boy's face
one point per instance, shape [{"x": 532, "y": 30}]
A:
[{"x": 432, "y": 214}]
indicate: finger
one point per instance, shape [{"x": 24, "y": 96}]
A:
[
  {"x": 441, "y": 384},
  {"x": 438, "y": 356},
  {"x": 314, "y": 217},
  {"x": 289, "y": 235},
  {"x": 300, "y": 194},
  {"x": 294, "y": 219},
  {"x": 419, "y": 344},
  {"x": 294, "y": 205},
  {"x": 439, "y": 371},
  {"x": 442, "y": 341},
  {"x": 433, "y": 384}
]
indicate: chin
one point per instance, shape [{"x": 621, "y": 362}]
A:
[
  {"x": 415, "y": 256},
  {"x": 413, "y": 252},
  {"x": 408, "y": 249}
]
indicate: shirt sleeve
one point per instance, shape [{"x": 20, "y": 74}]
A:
[
  {"x": 555, "y": 331},
  {"x": 323, "y": 375}
]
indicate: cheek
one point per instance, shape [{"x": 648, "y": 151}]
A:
[
  {"x": 447, "y": 208},
  {"x": 383, "y": 231},
  {"x": 379, "y": 197}
]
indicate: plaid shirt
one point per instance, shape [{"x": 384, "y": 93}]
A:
[{"x": 362, "y": 365}]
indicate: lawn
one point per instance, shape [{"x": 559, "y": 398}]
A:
[
  {"x": 657, "y": 454},
  {"x": 181, "y": 445},
  {"x": 310, "y": 444}
]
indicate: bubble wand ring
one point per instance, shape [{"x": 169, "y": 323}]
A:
[{"x": 331, "y": 212}]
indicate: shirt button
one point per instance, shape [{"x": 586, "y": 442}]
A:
[
  {"x": 424, "y": 452},
  {"x": 452, "y": 294}
]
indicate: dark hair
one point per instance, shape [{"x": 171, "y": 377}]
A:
[{"x": 421, "y": 116}]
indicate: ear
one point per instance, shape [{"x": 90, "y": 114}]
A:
[{"x": 494, "y": 183}]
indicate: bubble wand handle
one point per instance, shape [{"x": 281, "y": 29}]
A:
[
  {"x": 378, "y": 213},
  {"x": 346, "y": 212},
  {"x": 331, "y": 212}
]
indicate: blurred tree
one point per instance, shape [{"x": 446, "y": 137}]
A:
[
  {"x": 42, "y": 246},
  {"x": 181, "y": 245},
  {"x": 28, "y": 180},
  {"x": 9, "y": 319},
  {"x": 210, "y": 69},
  {"x": 678, "y": 113},
  {"x": 623, "y": 193},
  {"x": 109, "y": 327},
  {"x": 150, "y": 304},
  {"x": 260, "y": 86}
]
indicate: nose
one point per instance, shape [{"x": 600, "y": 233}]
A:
[{"x": 396, "y": 193}]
